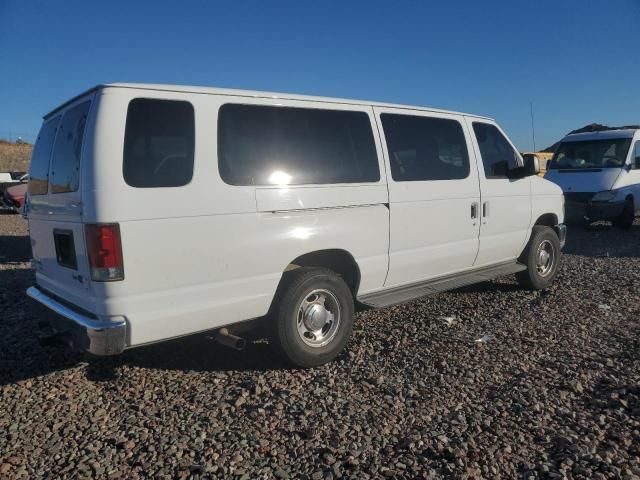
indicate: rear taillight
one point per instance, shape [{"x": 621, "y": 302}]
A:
[{"x": 105, "y": 252}]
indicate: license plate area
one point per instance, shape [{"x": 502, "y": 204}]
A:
[{"x": 65, "y": 248}]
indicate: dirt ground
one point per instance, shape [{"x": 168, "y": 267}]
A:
[
  {"x": 553, "y": 393},
  {"x": 14, "y": 158}
]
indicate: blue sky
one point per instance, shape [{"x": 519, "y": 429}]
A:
[{"x": 576, "y": 60}]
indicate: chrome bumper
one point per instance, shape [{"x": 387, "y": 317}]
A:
[
  {"x": 97, "y": 336},
  {"x": 561, "y": 230}
]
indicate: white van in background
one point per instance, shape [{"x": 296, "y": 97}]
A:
[
  {"x": 599, "y": 173},
  {"x": 160, "y": 211}
]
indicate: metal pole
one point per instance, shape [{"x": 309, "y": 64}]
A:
[{"x": 533, "y": 128}]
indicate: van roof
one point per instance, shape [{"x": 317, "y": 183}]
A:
[
  {"x": 254, "y": 94},
  {"x": 601, "y": 135}
]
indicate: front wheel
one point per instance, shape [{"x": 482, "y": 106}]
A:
[
  {"x": 312, "y": 318},
  {"x": 541, "y": 257}
]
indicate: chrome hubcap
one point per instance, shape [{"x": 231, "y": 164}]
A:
[
  {"x": 318, "y": 318},
  {"x": 545, "y": 258}
]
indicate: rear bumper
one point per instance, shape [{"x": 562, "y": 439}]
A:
[{"x": 95, "y": 335}]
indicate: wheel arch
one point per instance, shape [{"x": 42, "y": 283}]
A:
[
  {"x": 547, "y": 220},
  {"x": 338, "y": 260}
]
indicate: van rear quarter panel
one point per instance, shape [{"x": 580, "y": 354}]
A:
[{"x": 204, "y": 255}]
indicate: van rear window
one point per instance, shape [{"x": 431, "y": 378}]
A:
[
  {"x": 39, "y": 170},
  {"x": 65, "y": 165},
  {"x": 158, "y": 143},
  {"x": 265, "y": 145}
]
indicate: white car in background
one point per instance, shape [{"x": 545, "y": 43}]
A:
[
  {"x": 157, "y": 211},
  {"x": 599, "y": 173}
]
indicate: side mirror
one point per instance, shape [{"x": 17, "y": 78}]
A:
[{"x": 531, "y": 164}]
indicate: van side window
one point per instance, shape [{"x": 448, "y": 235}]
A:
[
  {"x": 39, "y": 170},
  {"x": 265, "y": 145},
  {"x": 425, "y": 148},
  {"x": 65, "y": 164},
  {"x": 498, "y": 156},
  {"x": 636, "y": 157},
  {"x": 159, "y": 142}
]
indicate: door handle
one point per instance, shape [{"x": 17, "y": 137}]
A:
[
  {"x": 485, "y": 209},
  {"x": 474, "y": 210}
]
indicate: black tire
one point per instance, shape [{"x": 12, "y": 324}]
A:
[
  {"x": 297, "y": 286},
  {"x": 535, "y": 277},
  {"x": 625, "y": 220}
]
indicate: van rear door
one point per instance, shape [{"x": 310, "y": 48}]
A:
[{"x": 55, "y": 204}]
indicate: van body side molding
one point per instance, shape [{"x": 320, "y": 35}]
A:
[
  {"x": 407, "y": 293},
  {"x": 269, "y": 199}
]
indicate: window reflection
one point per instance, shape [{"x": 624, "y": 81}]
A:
[{"x": 280, "y": 178}]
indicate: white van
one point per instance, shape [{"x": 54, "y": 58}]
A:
[
  {"x": 599, "y": 173},
  {"x": 160, "y": 211}
]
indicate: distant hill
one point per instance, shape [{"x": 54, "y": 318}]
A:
[
  {"x": 14, "y": 157},
  {"x": 592, "y": 127}
]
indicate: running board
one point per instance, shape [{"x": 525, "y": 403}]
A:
[{"x": 404, "y": 294}]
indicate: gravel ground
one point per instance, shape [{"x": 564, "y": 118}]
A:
[{"x": 553, "y": 393}]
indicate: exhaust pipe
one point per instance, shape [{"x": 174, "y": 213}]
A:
[{"x": 223, "y": 337}]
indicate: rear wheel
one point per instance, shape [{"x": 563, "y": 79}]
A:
[
  {"x": 541, "y": 257},
  {"x": 312, "y": 318},
  {"x": 625, "y": 220}
]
